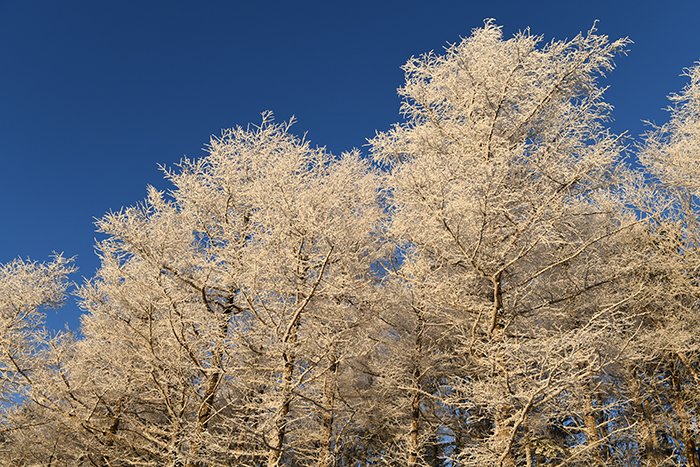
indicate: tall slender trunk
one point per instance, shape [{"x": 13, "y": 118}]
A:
[
  {"x": 280, "y": 423},
  {"x": 210, "y": 390},
  {"x": 204, "y": 413},
  {"x": 648, "y": 441},
  {"x": 413, "y": 446},
  {"x": 174, "y": 445},
  {"x": 497, "y": 303},
  {"x": 205, "y": 410},
  {"x": 690, "y": 451},
  {"x": 328, "y": 417},
  {"x": 502, "y": 436},
  {"x": 413, "y": 442},
  {"x": 594, "y": 437},
  {"x": 289, "y": 341},
  {"x": 651, "y": 443},
  {"x": 528, "y": 452}
]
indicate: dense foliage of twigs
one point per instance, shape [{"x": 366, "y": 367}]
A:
[{"x": 495, "y": 286}]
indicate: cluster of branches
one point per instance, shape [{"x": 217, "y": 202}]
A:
[{"x": 495, "y": 285}]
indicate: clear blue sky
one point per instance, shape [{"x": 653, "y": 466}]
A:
[{"x": 95, "y": 94}]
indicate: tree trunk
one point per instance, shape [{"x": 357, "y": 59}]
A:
[
  {"x": 528, "y": 453},
  {"x": 280, "y": 424},
  {"x": 690, "y": 449},
  {"x": 413, "y": 443},
  {"x": 329, "y": 385},
  {"x": 649, "y": 442},
  {"x": 497, "y": 303},
  {"x": 593, "y": 433},
  {"x": 413, "y": 433},
  {"x": 502, "y": 438},
  {"x": 212, "y": 385}
]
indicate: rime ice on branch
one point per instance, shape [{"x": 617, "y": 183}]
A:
[{"x": 496, "y": 287}]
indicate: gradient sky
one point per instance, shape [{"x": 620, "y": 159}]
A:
[{"x": 95, "y": 94}]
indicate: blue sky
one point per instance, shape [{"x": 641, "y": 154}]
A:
[{"x": 95, "y": 94}]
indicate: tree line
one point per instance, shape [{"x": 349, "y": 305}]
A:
[{"x": 501, "y": 281}]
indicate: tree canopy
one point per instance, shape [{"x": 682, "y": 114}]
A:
[{"x": 502, "y": 281}]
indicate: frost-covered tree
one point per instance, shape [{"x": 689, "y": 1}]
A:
[
  {"x": 496, "y": 285},
  {"x": 671, "y": 150},
  {"x": 667, "y": 370},
  {"x": 25, "y": 289},
  {"x": 219, "y": 325},
  {"x": 517, "y": 252}
]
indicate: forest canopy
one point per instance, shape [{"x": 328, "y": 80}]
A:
[{"x": 501, "y": 281}]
